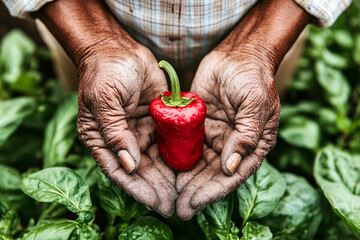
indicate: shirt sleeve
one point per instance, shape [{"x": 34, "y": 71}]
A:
[
  {"x": 23, "y": 8},
  {"x": 325, "y": 11}
]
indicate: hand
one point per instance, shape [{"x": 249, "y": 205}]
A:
[
  {"x": 243, "y": 110},
  {"x": 236, "y": 81},
  {"x": 118, "y": 79},
  {"x": 115, "y": 89}
]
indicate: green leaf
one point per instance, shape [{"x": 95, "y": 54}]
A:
[
  {"x": 327, "y": 120},
  {"x": 10, "y": 178},
  {"x": 52, "y": 211},
  {"x": 15, "y": 55},
  {"x": 256, "y": 231},
  {"x": 298, "y": 213},
  {"x": 115, "y": 201},
  {"x": 303, "y": 107},
  {"x": 334, "y": 83},
  {"x": 215, "y": 220},
  {"x": 61, "y": 185},
  {"x": 86, "y": 168},
  {"x": 343, "y": 38},
  {"x": 85, "y": 232},
  {"x": 9, "y": 220},
  {"x": 60, "y": 132},
  {"x": 332, "y": 227},
  {"x": 28, "y": 83},
  {"x": 338, "y": 175},
  {"x": 260, "y": 193},
  {"x": 301, "y": 132},
  {"x": 5, "y": 237},
  {"x": 356, "y": 52},
  {"x": 147, "y": 228},
  {"x": 335, "y": 60},
  {"x": 60, "y": 229},
  {"x": 13, "y": 112},
  {"x": 10, "y": 191}
]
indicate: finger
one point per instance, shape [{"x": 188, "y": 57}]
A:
[
  {"x": 165, "y": 192},
  {"x": 143, "y": 129},
  {"x": 134, "y": 185},
  {"x": 183, "y": 178},
  {"x": 183, "y": 207},
  {"x": 115, "y": 131},
  {"x": 249, "y": 126},
  {"x": 159, "y": 163},
  {"x": 220, "y": 185},
  {"x": 216, "y": 131}
]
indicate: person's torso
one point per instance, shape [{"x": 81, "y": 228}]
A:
[{"x": 181, "y": 32}]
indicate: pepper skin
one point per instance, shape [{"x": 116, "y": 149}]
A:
[{"x": 180, "y": 129}]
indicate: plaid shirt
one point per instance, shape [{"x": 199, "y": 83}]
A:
[{"x": 184, "y": 31}]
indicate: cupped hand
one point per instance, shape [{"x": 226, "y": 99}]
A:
[
  {"x": 243, "y": 111},
  {"x": 116, "y": 86}
]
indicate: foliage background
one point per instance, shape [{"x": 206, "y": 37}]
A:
[{"x": 308, "y": 188}]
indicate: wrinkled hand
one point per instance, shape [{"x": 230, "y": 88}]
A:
[
  {"x": 241, "y": 126},
  {"x": 116, "y": 86}
]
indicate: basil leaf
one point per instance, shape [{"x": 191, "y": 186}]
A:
[
  {"x": 343, "y": 38},
  {"x": 332, "y": 227},
  {"x": 61, "y": 185},
  {"x": 256, "y": 231},
  {"x": 147, "y": 228},
  {"x": 356, "y": 52},
  {"x": 5, "y": 237},
  {"x": 15, "y": 55},
  {"x": 10, "y": 191},
  {"x": 9, "y": 220},
  {"x": 334, "y": 83},
  {"x": 85, "y": 232},
  {"x": 215, "y": 220},
  {"x": 334, "y": 59},
  {"x": 86, "y": 168},
  {"x": 60, "y": 229},
  {"x": 115, "y": 201},
  {"x": 60, "y": 132},
  {"x": 298, "y": 213},
  {"x": 13, "y": 112},
  {"x": 303, "y": 107},
  {"x": 301, "y": 132},
  {"x": 260, "y": 193},
  {"x": 337, "y": 174}
]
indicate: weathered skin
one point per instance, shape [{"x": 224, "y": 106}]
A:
[
  {"x": 117, "y": 80},
  {"x": 119, "y": 77},
  {"x": 236, "y": 81}
]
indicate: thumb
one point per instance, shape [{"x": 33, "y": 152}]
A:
[
  {"x": 117, "y": 136},
  {"x": 240, "y": 143}
]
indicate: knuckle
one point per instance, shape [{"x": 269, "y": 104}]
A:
[{"x": 249, "y": 142}]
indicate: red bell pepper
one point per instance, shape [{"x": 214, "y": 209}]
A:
[{"x": 179, "y": 122}]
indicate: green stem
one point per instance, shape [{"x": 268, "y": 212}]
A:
[
  {"x": 175, "y": 100},
  {"x": 174, "y": 81}
]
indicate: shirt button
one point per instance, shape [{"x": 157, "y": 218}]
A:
[{"x": 173, "y": 39}]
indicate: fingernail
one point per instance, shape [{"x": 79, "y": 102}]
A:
[
  {"x": 126, "y": 161},
  {"x": 233, "y": 162}
]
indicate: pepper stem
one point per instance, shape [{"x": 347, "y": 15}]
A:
[{"x": 175, "y": 100}]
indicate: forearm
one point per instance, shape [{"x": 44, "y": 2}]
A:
[
  {"x": 82, "y": 27},
  {"x": 270, "y": 28}
]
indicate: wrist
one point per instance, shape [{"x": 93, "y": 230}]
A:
[
  {"x": 267, "y": 31},
  {"x": 84, "y": 28}
]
